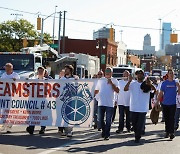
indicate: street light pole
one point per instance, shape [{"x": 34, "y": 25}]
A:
[
  {"x": 54, "y": 22},
  {"x": 59, "y": 35},
  {"x": 43, "y": 19}
]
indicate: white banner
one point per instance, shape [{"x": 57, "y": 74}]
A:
[{"x": 47, "y": 102}]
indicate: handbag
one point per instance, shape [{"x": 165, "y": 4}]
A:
[{"x": 154, "y": 115}]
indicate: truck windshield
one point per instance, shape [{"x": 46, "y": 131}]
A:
[
  {"x": 157, "y": 72},
  {"x": 20, "y": 61},
  {"x": 118, "y": 72}
]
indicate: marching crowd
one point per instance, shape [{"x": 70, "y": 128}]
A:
[
  {"x": 133, "y": 98},
  {"x": 131, "y": 95}
]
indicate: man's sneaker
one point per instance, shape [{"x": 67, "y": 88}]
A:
[
  {"x": 143, "y": 132},
  {"x": 172, "y": 136},
  {"x": 61, "y": 133},
  {"x": 69, "y": 134},
  {"x": 29, "y": 131},
  {"x": 166, "y": 135},
  {"x": 2, "y": 128},
  {"x": 8, "y": 132},
  {"x": 119, "y": 131},
  {"x": 128, "y": 130},
  {"x": 137, "y": 140},
  {"x": 132, "y": 129},
  {"x": 106, "y": 138},
  {"x": 176, "y": 128},
  {"x": 102, "y": 135},
  {"x": 42, "y": 131}
]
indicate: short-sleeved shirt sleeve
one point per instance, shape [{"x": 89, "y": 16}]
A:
[
  {"x": 163, "y": 86},
  {"x": 98, "y": 85}
]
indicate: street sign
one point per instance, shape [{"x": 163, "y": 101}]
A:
[
  {"x": 53, "y": 46},
  {"x": 103, "y": 59}
]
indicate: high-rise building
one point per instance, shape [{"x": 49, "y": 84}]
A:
[
  {"x": 104, "y": 33},
  {"x": 147, "y": 43},
  {"x": 165, "y": 35}
]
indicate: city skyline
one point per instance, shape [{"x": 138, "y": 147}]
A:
[{"x": 123, "y": 16}]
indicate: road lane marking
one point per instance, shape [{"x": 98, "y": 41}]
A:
[{"x": 68, "y": 144}]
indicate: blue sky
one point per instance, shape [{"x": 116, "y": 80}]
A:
[{"x": 137, "y": 13}]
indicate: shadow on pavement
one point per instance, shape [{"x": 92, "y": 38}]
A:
[{"x": 105, "y": 147}]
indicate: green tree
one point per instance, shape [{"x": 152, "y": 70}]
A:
[{"x": 12, "y": 34}]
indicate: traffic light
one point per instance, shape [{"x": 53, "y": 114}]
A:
[
  {"x": 111, "y": 33},
  {"x": 38, "y": 23},
  {"x": 174, "y": 38},
  {"x": 25, "y": 42}
]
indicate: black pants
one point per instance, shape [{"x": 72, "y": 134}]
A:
[
  {"x": 138, "y": 119},
  {"x": 114, "y": 113},
  {"x": 32, "y": 128},
  {"x": 122, "y": 111},
  {"x": 169, "y": 113}
]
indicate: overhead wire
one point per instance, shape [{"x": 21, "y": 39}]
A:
[{"x": 90, "y": 22}]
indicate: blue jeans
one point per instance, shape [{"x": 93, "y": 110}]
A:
[
  {"x": 176, "y": 125},
  {"x": 105, "y": 126},
  {"x": 124, "y": 109},
  {"x": 138, "y": 122},
  {"x": 96, "y": 112}
]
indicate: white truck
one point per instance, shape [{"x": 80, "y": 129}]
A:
[
  {"x": 25, "y": 64},
  {"x": 87, "y": 65},
  {"x": 51, "y": 59},
  {"x": 118, "y": 71}
]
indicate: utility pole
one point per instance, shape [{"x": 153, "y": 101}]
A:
[
  {"x": 160, "y": 34},
  {"x": 59, "y": 35},
  {"x": 41, "y": 40},
  {"x": 121, "y": 31},
  {"x": 63, "y": 47},
  {"x": 54, "y": 22}
]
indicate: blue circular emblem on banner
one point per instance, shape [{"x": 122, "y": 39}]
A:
[{"x": 75, "y": 110}]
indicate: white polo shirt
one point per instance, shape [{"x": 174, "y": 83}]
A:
[
  {"x": 106, "y": 93},
  {"x": 139, "y": 101},
  {"x": 123, "y": 96},
  {"x": 13, "y": 75}
]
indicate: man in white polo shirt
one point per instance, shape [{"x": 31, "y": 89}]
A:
[
  {"x": 139, "y": 102},
  {"x": 106, "y": 88},
  {"x": 123, "y": 102},
  {"x": 9, "y": 74}
]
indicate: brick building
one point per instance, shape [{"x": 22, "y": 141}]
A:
[{"x": 103, "y": 48}]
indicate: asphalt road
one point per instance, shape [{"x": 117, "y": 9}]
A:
[{"x": 87, "y": 140}]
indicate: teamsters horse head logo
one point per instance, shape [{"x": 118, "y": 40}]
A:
[{"x": 76, "y": 99}]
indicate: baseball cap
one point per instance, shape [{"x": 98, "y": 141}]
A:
[
  {"x": 139, "y": 72},
  {"x": 108, "y": 70}
]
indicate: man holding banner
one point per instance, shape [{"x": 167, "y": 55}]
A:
[
  {"x": 30, "y": 129},
  {"x": 68, "y": 74},
  {"x": 106, "y": 88},
  {"x": 9, "y": 74}
]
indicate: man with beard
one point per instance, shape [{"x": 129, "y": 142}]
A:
[{"x": 139, "y": 101}]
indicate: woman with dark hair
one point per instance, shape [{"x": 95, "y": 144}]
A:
[{"x": 169, "y": 91}]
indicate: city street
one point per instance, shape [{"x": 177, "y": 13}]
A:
[{"x": 88, "y": 141}]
